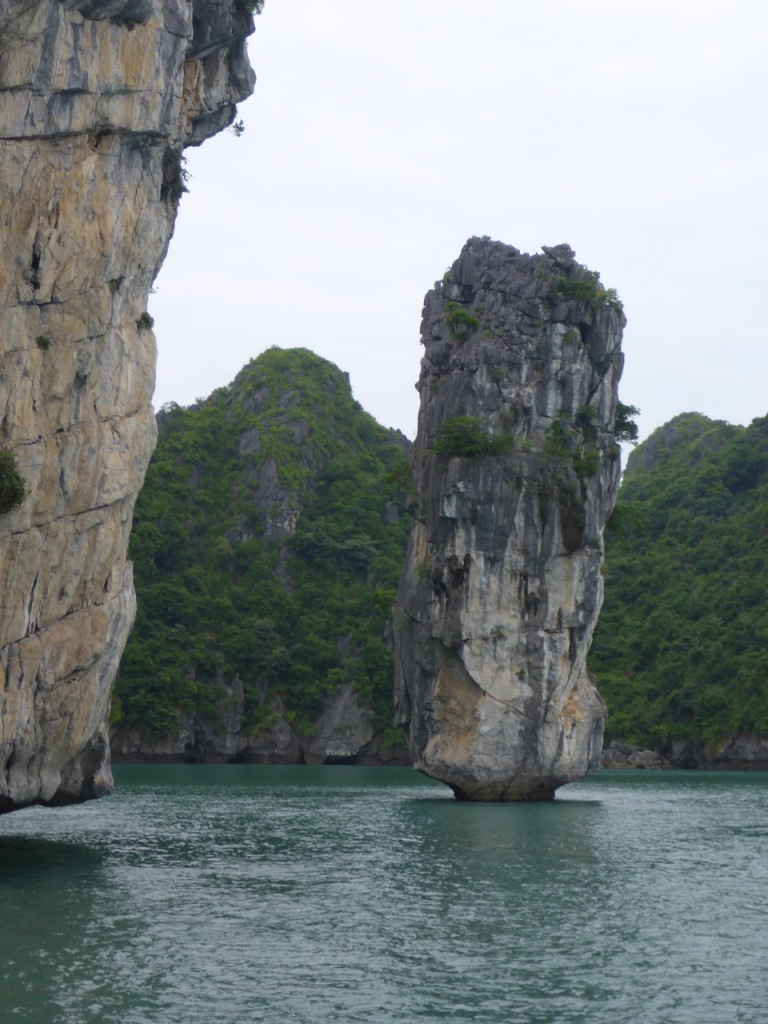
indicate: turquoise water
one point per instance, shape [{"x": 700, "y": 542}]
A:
[{"x": 238, "y": 894}]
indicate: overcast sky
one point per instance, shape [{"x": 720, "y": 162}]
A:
[{"x": 382, "y": 135}]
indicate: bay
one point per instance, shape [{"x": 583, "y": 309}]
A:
[{"x": 204, "y": 894}]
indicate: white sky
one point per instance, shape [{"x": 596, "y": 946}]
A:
[{"x": 382, "y": 135}]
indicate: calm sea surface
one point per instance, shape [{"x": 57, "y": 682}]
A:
[{"x": 238, "y": 894}]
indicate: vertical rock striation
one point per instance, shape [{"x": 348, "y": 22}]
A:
[
  {"x": 97, "y": 100},
  {"x": 517, "y": 468}
]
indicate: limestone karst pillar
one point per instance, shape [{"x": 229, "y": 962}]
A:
[{"x": 516, "y": 468}]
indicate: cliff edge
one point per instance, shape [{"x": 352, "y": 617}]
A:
[
  {"x": 97, "y": 100},
  {"x": 517, "y": 468}
]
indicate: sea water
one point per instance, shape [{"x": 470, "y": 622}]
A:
[{"x": 237, "y": 894}]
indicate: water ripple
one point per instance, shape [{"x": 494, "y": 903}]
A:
[{"x": 246, "y": 894}]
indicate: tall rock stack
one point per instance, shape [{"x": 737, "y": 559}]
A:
[
  {"x": 97, "y": 100},
  {"x": 516, "y": 469}
]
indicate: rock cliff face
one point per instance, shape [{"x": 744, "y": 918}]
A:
[
  {"x": 343, "y": 733},
  {"x": 98, "y": 99},
  {"x": 517, "y": 469}
]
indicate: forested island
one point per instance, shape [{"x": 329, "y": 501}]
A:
[
  {"x": 267, "y": 544},
  {"x": 267, "y": 547},
  {"x": 681, "y": 647}
]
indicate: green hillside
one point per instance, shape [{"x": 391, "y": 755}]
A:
[
  {"x": 268, "y": 542},
  {"x": 681, "y": 648}
]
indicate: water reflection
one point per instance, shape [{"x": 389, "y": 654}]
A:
[
  {"x": 47, "y": 894},
  {"x": 21, "y": 855}
]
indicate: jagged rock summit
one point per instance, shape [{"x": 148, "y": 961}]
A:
[
  {"x": 97, "y": 100},
  {"x": 517, "y": 468}
]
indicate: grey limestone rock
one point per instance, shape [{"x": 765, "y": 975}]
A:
[
  {"x": 343, "y": 733},
  {"x": 516, "y": 471},
  {"x": 737, "y": 753},
  {"x": 342, "y": 730},
  {"x": 646, "y": 759},
  {"x": 99, "y": 98},
  {"x": 621, "y": 755},
  {"x": 219, "y": 740}
]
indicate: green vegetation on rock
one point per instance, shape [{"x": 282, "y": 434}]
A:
[
  {"x": 584, "y": 285},
  {"x": 681, "y": 647},
  {"x": 465, "y": 437},
  {"x": 580, "y": 441},
  {"x": 268, "y": 543},
  {"x": 175, "y": 174},
  {"x": 459, "y": 321},
  {"x": 625, "y": 428},
  {"x": 13, "y": 490}
]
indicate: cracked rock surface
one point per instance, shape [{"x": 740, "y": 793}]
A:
[
  {"x": 97, "y": 100},
  {"x": 516, "y": 471}
]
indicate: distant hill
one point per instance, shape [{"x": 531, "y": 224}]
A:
[
  {"x": 268, "y": 543},
  {"x": 681, "y": 647}
]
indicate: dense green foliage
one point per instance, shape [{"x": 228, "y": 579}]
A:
[
  {"x": 223, "y": 589},
  {"x": 13, "y": 490},
  {"x": 681, "y": 648},
  {"x": 625, "y": 428},
  {"x": 465, "y": 437},
  {"x": 461, "y": 324},
  {"x": 584, "y": 285}
]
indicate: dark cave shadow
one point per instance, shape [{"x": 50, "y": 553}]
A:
[{"x": 450, "y": 801}]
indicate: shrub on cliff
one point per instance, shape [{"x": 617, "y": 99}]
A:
[
  {"x": 625, "y": 428},
  {"x": 459, "y": 321},
  {"x": 465, "y": 437},
  {"x": 175, "y": 174},
  {"x": 13, "y": 490},
  {"x": 585, "y": 286}
]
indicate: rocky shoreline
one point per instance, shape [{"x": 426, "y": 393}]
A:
[
  {"x": 742, "y": 753},
  {"x": 195, "y": 743},
  {"x": 343, "y": 733}
]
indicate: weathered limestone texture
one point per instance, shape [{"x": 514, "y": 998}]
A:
[
  {"x": 343, "y": 734},
  {"x": 97, "y": 100},
  {"x": 517, "y": 469}
]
